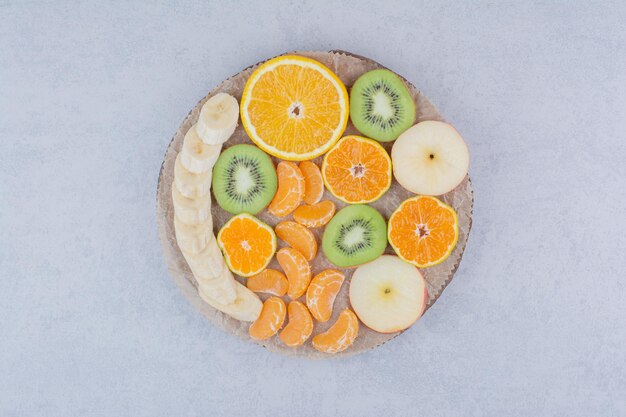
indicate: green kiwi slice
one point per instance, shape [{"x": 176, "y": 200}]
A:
[
  {"x": 356, "y": 235},
  {"x": 244, "y": 179},
  {"x": 381, "y": 107}
]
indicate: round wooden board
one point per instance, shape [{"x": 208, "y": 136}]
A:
[{"x": 348, "y": 67}]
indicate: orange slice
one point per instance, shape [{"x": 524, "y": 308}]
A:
[
  {"x": 248, "y": 244},
  {"x": 270, "y": 320},
  {"x": 357, "y": 170},
  {"x": 290, "y": 190},
  {"x": 269, "y": 281},
  {"x": 340, "y": 335},
  {"x": 294, "y": 108},
  {"x": 316, "y": 215},
  {"x": 313, "y": 182},
  {"x": 300, "y": 325},
  {"x": 298, "y": 237},
  {"x": 297, "y": 270},
  {"x": 423, "y": 231},
  {"x": 321, "y": 294}
]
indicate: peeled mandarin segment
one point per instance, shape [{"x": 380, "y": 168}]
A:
[
  {"x": 298, "y": 237},
  {"x": 316, "y": 215},
  {"x": 299, "y": 327},
  {"x": 340, "y": 335},
  {"x": 270, "y": 320},
  {"x": 357, "y": 170},
  {"x": 294, "y": 107},
  {"x": 297, "y": 270},
  {"x": 290, "y": 190},
  {"x": 248, "y": 244},
  {"x": 321, "y": 294},
  {"x": 313, "y": 182},
  {"x": 269, "y": 281},
  {"x": 423, "y": 231}
]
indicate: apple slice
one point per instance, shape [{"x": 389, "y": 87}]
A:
[
  {"x": 388, "y": 294},
  {"x": 430, "y": 158}
]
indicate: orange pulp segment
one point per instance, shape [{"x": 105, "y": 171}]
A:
[
  {"x": 313, "y": 182},
  {"x": 290, "y": 190},
  {"x": 316, "y": 215},
  {"x": 340, "y": 335},
  {"x": 298, "y": 237},
  {"x": 320, "y": 296},
  {"x": 270, "y": 320},
  {"x": 299, "y": 327},
  {"x": 269, "y": 281},
  {"x": 297, "y": 270}
]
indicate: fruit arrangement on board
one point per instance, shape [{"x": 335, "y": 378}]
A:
[{"x": 295, "y": 111}]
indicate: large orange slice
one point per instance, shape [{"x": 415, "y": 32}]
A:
[
  {"x": 313, "y": 182},
  {"x": 423, "y": 231},
  {"x": 340, "y": 336},
  {"x": 299, "y": 327},
  {"x": 247, "y": 243},
  {"x": 294, "y": 108},
  {"x": 321, "y": 294},
  {"x": 298, "y": 237},
  {"x": 357, "y": 170},
  {"x": 290, "y": 190},
  {"x": 297, "y": 270},
  {"x": 269, "y": 281},
  {"x": 316, "y": 215},
  {"x": 270, "y": 320}
]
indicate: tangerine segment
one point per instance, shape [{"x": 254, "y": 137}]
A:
[
  {"x": 340, "y": 335},
  {"x": 298, "y": 237},
  {"x": 322, "y": 292},
  {"x": 248, "y": 244},
  {"x": 269, "y": 281},
  {"x": 300, "y": 325},
  {"x": 313, "y": 182},
  {"x": 357, "y": 170},
  {"x": 423, "y": 231},
  {"x": 290, "y": 189},
  {"x": 294, "y": 108},
  {"x": 297, "y": 270},
  {"x": 270, "y": 320},
  {"x": 316, "y": 215}
]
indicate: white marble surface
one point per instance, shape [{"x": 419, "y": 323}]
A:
[{"x": 92, "y": 325}]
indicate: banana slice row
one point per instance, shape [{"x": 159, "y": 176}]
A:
[{"x": 193, "y": 224}]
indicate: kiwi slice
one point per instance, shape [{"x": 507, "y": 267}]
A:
[
  {"x": 356, "y": 235},
  {"x": 244, "y": 179},
  {"x": 381, "y": 107}
]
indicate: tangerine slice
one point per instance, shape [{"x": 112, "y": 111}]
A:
[
  {"x": 269, "y": 281},
  {"x": 313, "y": 182},
  {"x": 357, "y": 170},
  {"x": 316, "y": 215},
  {"x": 294, "y": 107},
  {"x": 299, "y": 327},
  {"x": 321, "y": 294},
  {"x": 270, "y": 320},
  {"x": 290, "y": 189},
  {"x": 248, "y": 244},
  {"x": 423, "y": 231},
  {"x": 298, "y": 237},
  {"x": 297, "y": 270},
  {"x": 340, "y": 335}
]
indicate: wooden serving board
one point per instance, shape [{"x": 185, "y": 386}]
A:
[{"x": 348, "y": 67}]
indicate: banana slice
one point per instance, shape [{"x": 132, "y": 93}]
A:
[
  {"x": 208, "y": 264},
  {"x": 221, "y": 288},
  {"x": 191, "y": 210},
  {"x": 197, "y": 156},
  {"x": 246, "y": 306},
  {"x": 218, "y": 119},
  {"x": 193, "y": 238},
  {"x": 189, "y": 184}
]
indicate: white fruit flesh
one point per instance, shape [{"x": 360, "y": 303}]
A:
[
  {"x": 218, "y": 119},
  {"x": 245, "y": 307},
  {"x": 388, "y": 295},
  {"x": 190, "y": 184},
  {"x": 193, "y": 238},
  {"x": 430, "y": 158},
  {"x": 197, "y": 156},
  {"x": 191, "y": 210}
]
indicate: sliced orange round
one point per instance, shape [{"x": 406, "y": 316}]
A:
[
  {"x": 247, "y": 243},
  {"x": 299, "y": 327},
  {"x": 316, "y": 215},
  {"x": 290, "y": 190},
  {"x": 294, "y": 108},
  {"x": 357, "y": 170},
  {"x": 269, "y": 281},
  {"x": 298, "y": 237},
  {"x": 321, "y": 294},
  {"x": 297, "y": 269},
  {"x": 270, "y": 320},
  {"x": 423, "y": 231},
  {"x": 340, "y": 336},
  {"x": 313, "y": 182}
]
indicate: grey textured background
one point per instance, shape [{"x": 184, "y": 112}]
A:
[{"x": 91, "y": 324}]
